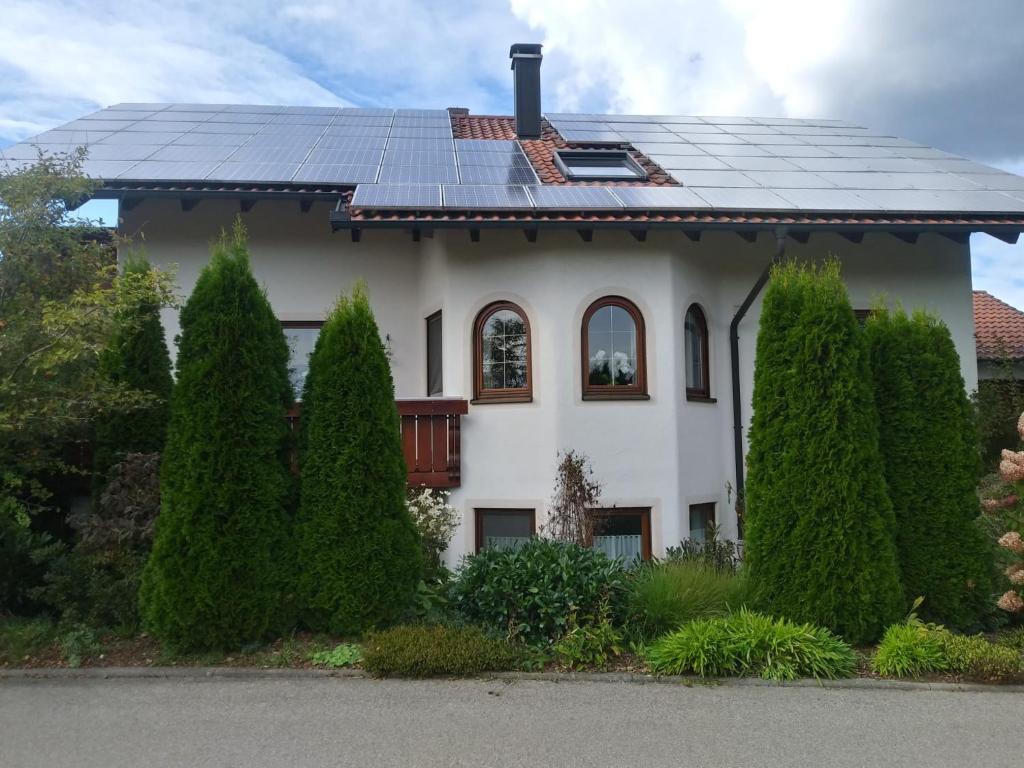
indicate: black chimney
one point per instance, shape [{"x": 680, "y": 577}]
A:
[{"x": 526, "y": 59}]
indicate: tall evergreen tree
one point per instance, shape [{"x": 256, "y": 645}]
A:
[
  {"x": 137, "y": 359},
  {"x": 930, "y": 453},
  {"x": 215, "y": 578},
  {"x": 819, "y": 522},
  {"x": 359, "y": 557}
]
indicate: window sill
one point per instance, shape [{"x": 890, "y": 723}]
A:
[
  {"x": 616, "y": 396},
  {"x": 498, "y": 399},
  {"x": 700, "y": 398}
]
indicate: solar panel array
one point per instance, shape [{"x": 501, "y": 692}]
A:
[{"x": 408, "y": 159}]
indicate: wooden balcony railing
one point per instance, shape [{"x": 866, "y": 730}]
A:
[
  {"x": 430, "y": 440},
  {"x": 430, "y": 430}
]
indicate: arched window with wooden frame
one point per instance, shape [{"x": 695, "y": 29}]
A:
[
  {"x": 614, "y": 351},
  {"x": 698, "y": 369},
  {"x": 501, "y": 344}
]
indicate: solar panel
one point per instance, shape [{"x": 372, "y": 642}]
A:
[
  {"x": 728, "y": 120},
  {"x": 624, "y": 128},
  {"x": 140, "y": 137},
  {"x": 266, "y": 108},
  {"x": 118, "y": 114},
  {"x": 106, "y": 169},
  {"x": 397, "y": 196},
  {"x": 180, "y": 153},
  {"x": 409, "y": 132},
  {"x": 336, "y": 173},
  {"x": 654, "y": 138},
  {"x": 264, "y": 172},
  {"x": 651, "y": 198},
  {"x": 212, "y": 127},
  {"x": 423, "y": 122},
  {"x": 674, "y": 148},
  {"x": 792, "y": 179},
  {"x": 421, "y": 113},
  {"x": 714, "y": 179},
  {"x": 97, "y": 125},
  {"x": 742, "y": 199},
  {"x": 422, "y": 157},
  {"x": 154, "y": 170},
  {"x": 494, "y": 159},
  {"x": 144, "y": 125},
  {"x": 418, "y": 174},
  {"x": 136, "y": 107},
  {"x": 1000, "y": 181},
  {"x": 364, "y": 120},
  {"x": 798, "y": 150},
  {"x": 419, "y": 144},
  {"x": 352, "y": 142},
  {"x": 73, "y": 138},
  {"x": 258, "y": 154},
  {"x": 302, "y": 119},
  {"x": 346, "y": 156},
  {"x": 708, "y": 138},
  {"x": 239, "y": 117},
  {"x": 486, "y": 197},
  {"x": 734, "y": 150},
  {"x": 197, "y": 107},
  {"x": 917, "y": 200},
  {"x": 690, "y": 163},
  {"x": 179, "y": 116},
  {"x": 380, "y": 131},
  {"x": 760, "y": 164},
  {"x": 214, "y": 139},
  {"x": 278, "y": 129},
  {"x": 23, "y": 151},
  {"x": 485, "y": 145},
  {"x": 278, "y": 140},
  {"x": 826, "y": 200},
  {"x": 592, "y": 137},
  {"x": 485, "y": 174},
  {"x": 574, "y": 198},
  {"x": 366, "y": 112}
]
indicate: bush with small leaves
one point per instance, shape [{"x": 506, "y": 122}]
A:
[{"x": 421, "y": 650}]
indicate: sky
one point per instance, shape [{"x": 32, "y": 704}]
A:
[{"x": 942, "y": 72}]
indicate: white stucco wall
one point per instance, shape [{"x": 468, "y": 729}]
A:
[{"x": 664, "y": 453}]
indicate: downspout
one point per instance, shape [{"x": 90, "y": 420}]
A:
[{"x": 734, "y": 355}]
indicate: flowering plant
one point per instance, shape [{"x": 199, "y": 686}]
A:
[
  {"x": 436, "y": 521},
  {"x": 1010, "y": 506}
]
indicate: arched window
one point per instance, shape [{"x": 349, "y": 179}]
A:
[
  {"x": 502, "y": 354},
  {"x": 613, "y": 350},
  {"x": 698, "y": 377}
]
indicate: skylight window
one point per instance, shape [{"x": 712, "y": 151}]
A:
[{"x": 598, "y": 165}]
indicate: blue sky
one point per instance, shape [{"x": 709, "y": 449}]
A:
[{"x": 944, "y": 73}]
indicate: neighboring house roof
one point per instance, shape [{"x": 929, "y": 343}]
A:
[
  {"x": 998, "y": 328},
  {"x": 441, "y": 166}
]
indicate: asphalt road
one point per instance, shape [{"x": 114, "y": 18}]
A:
[{"x": 306, "y": 723}]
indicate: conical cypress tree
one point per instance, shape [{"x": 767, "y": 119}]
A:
[
  {"x": 359, "y": 555},
  {"x": 930, "y": 453},
  {"x": 215, "y": 577},
  {"x": 819, "y": 523},
  {"x": 136, "y": 358}
]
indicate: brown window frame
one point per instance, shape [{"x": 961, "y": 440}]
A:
[
  {"x": 507, "y": 394},
  {"x": 480, "y": 512},
  {"x": 644, "y": 513},
  {"x": 702, "y": 392},
  {"x": 635, "y": 391}
]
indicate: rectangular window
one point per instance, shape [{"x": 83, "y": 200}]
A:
[
  {"x": 435, "y": 382},
  {"x": 702, "y": 517},
  {"x": 598, "y": 165},
  {"x": 504, "y": 528},
  {"x": 624, "y": 533},
  {"x": 301, "y": 336}
]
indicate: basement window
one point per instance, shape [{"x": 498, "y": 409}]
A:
[{"x": 598, "y": 165}]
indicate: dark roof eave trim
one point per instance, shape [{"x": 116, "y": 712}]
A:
[
  {"x": 342, "y": 221},
  {"x": 263, "y": 193}
]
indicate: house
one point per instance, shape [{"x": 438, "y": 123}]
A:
[
  {"x": 551, "y": 281},
  {"x": 998, "y": 337}
]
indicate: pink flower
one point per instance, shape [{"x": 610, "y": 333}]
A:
[
  {"x": 1014, "y": 457},
  {"x": 1010, "y": 602},
  {"x": 1015, "y": 573},
  {"x": 1013, "y": 542},
  {"x": 991, "y": 505},
  {"x": 1020, "y": 426}
]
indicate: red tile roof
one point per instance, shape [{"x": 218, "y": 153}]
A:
[{"x": 998, "y": 328}]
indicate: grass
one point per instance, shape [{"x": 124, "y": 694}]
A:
[
  {"x": 342, "y": 655},
  {"x": 910, "y": 649},
  {"x": 749, "y": 644},
  {"x": 21, "y": 639},
  {"x": 669, "y": 594}
]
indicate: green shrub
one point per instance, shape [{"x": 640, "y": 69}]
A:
[
  {"x": 215, "y": 578},
  {"x": 976, "y": 658},
  {"x": 136, "y": 359},
  {"x": 420, "y": 650},
  {"x": 715, "y": 553},
  {"x": 90, "y": 590},
  {"x": 930, "y": 453},
  {"x": 747, "y": 643},
  {"x": 589, "y": 645},
  {"x": 359, "y": 554},
  {"x": 529, "y": 593},
  {"x": 25, "y": 557},
  {"x": 342, "y": 655},
  {"x": 667, "y": 594},
  {"x": 21, "y": 638},
  {"x": 1012, "y": 638},
  {"x": 77, "y": 643},
  {"x": 910, "y": 649},
  {"x": 818, "y": 522}
]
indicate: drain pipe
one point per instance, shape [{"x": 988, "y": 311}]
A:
[{"x": 734, "y": 354}]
